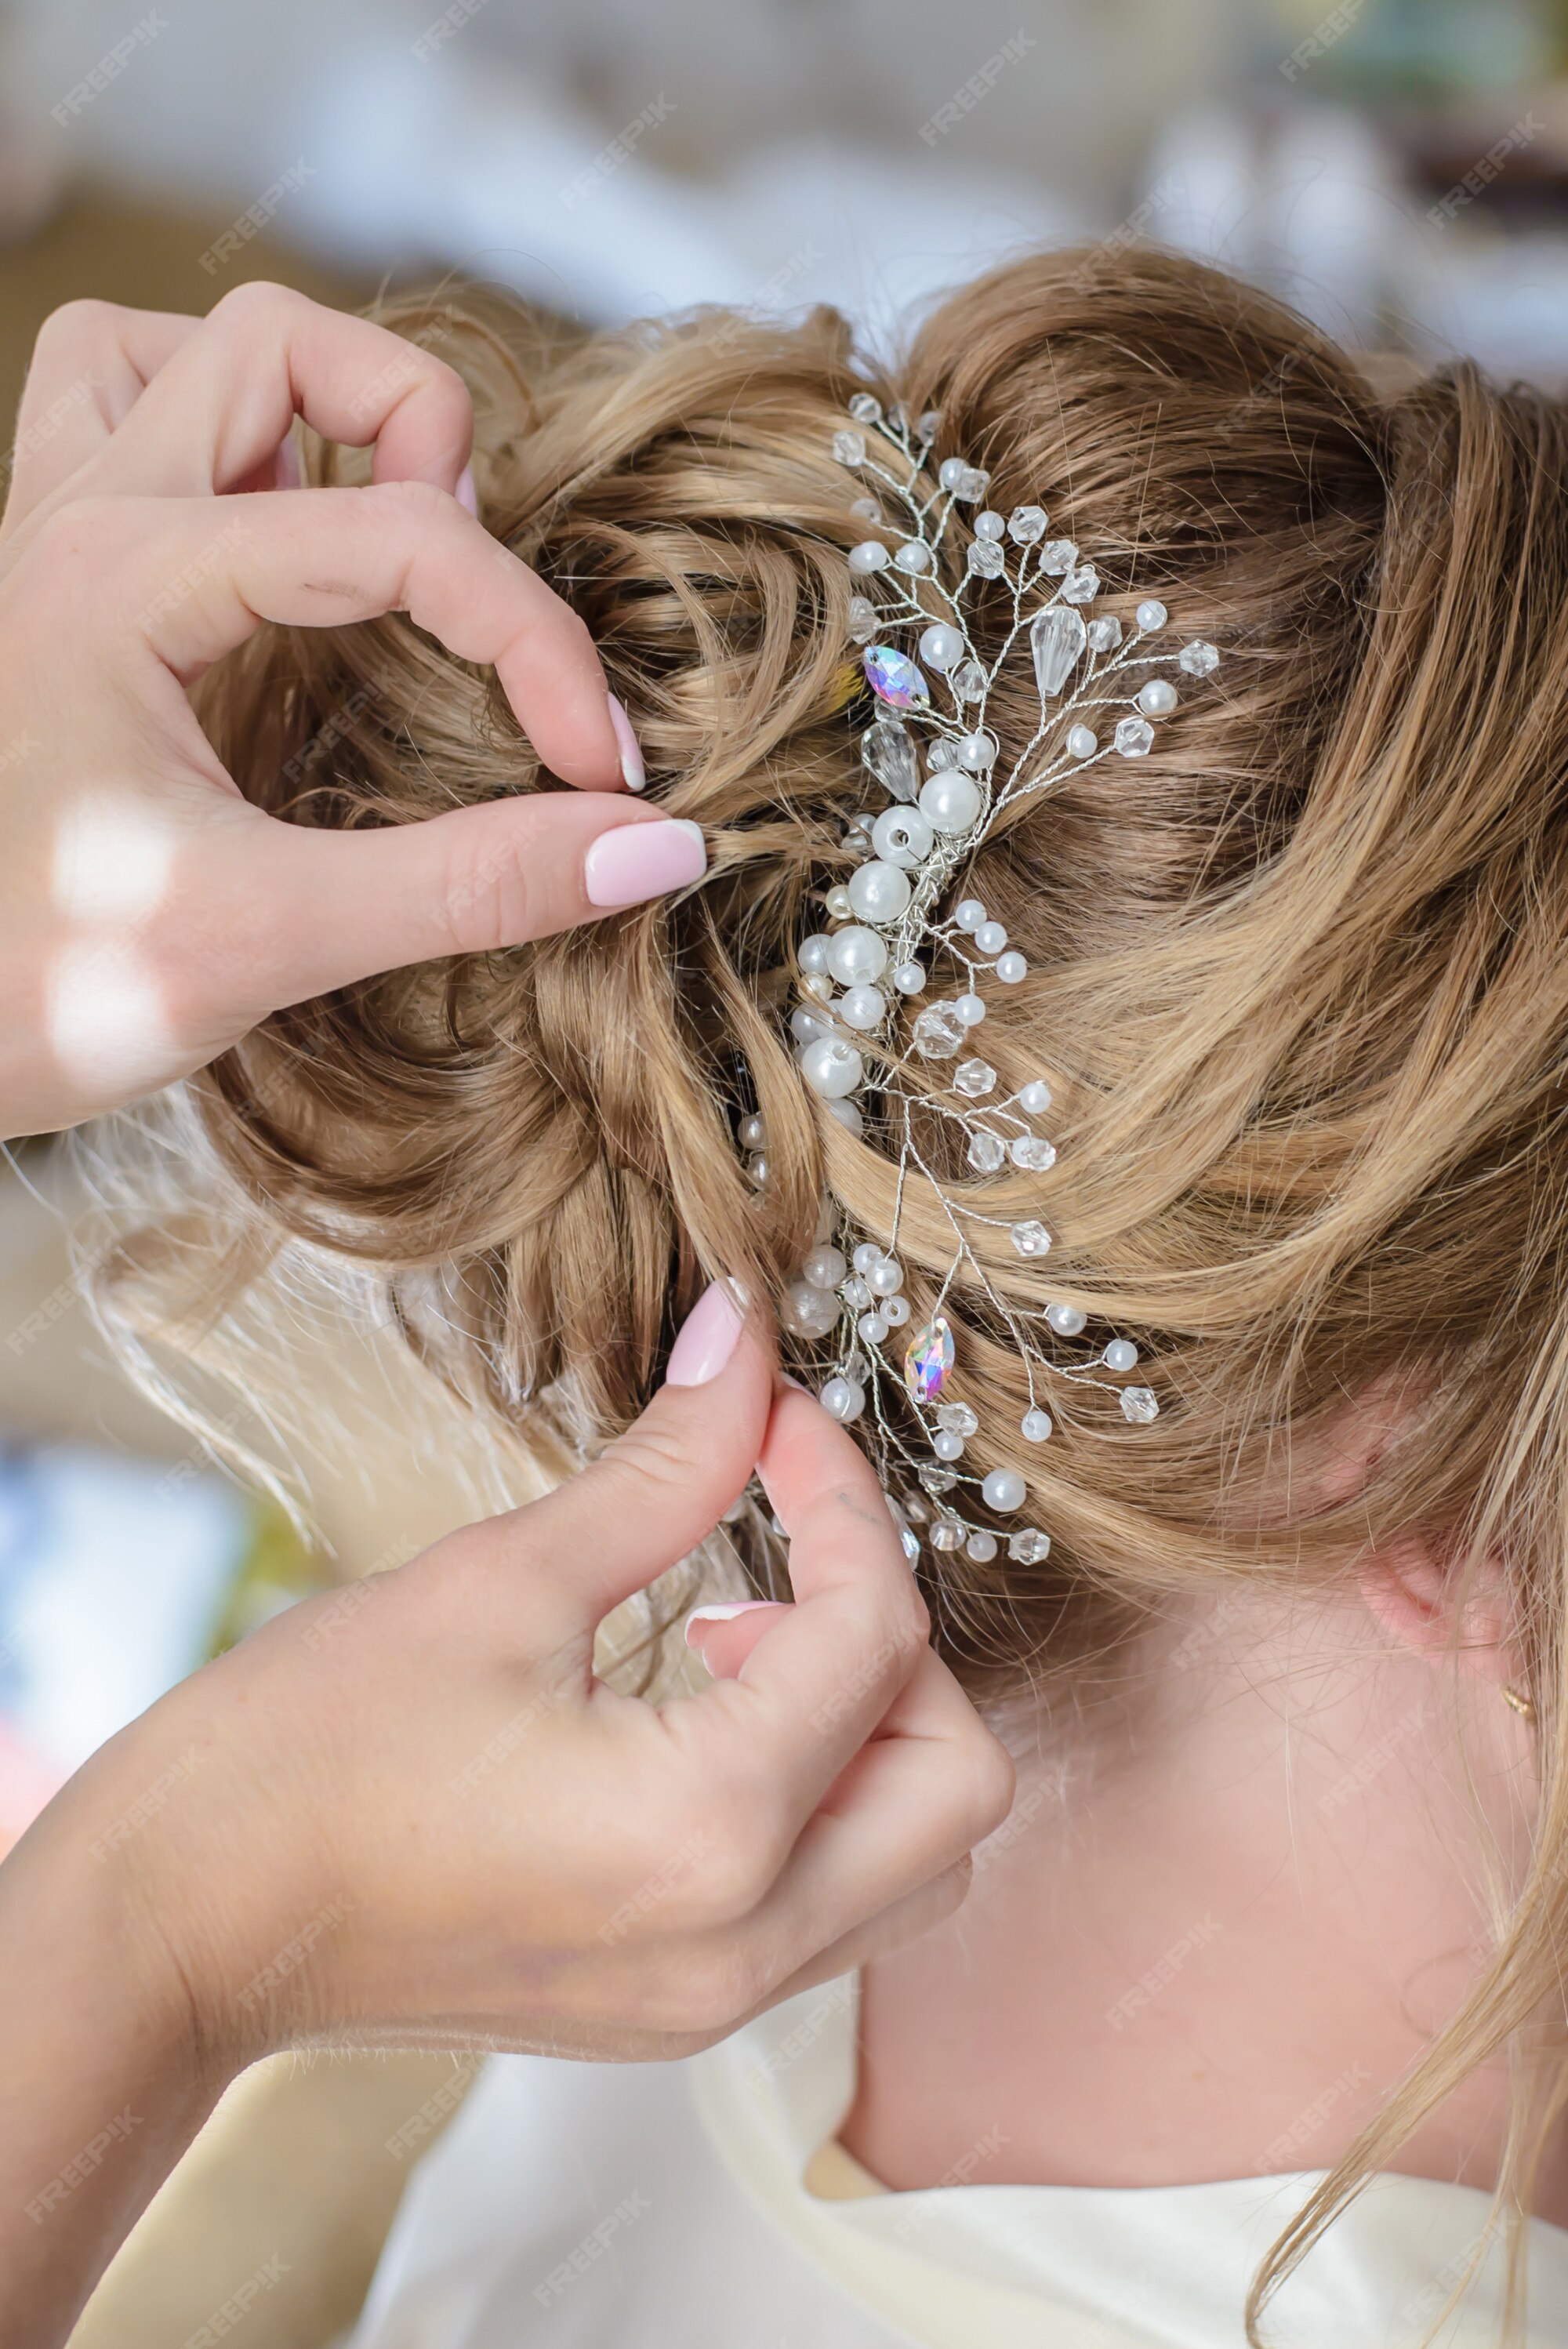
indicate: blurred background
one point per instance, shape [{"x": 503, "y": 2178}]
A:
[{"x": 1396, "y": 168}]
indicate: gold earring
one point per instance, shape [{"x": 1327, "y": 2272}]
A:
[{"x": 1522, "y": 1705}]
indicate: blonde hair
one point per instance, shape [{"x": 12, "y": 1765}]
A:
[{"x": 1299, "y": 981}]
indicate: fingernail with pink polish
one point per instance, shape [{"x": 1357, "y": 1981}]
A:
[
  {"x": 724, "y": 1614},
  {"x": 637, "y": 861},
  {"x": 632, "y": 773},
  {"x": 466, "y": 494},
  {"x": 706, "y": 1338}
]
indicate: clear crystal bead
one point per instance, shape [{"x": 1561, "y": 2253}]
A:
[
  {"x": 897, "y": 416},
  {"x": 968, "y": 682},
  {"x": 987, "y": 1153},
  {"x": 863, "y": 619},
  {"x": 1056, "y": 637},
  {"x": 930, "y": 423},
  {"x": 957, "y": 1418},
  {"x": 938, "y": 1033},
  {"x": 974, "y": 482},
  {"x": 1032, "y": 1152},
  {"x": 986, "y": 558},
  {"x": 974, "y": 1078},
  {"x": 1139, "y": 1404},
  {"x": 1026, "y": 524},
  {"x": 1199, "y": 659},
  {"x": 887, "y": 750},
  {"x": 1029, "y": 1548},
  {"x": 946, "y": 1534},
  {"x": 856, "y": 1293},
  {"x": 850, "y": 447},
  {"x": 864, "y": 408},
  {"x": 1057, "y": 557},
  {"x": 1104, "y": 634},
  {"x": 936, "y": 1479},
  {"x": 1134, "y": 738},
  {"x": 1030, "y": 1238},
  {"x": 1082, "y": 586}
]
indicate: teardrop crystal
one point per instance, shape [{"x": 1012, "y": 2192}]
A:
[
  {"x": 1057, "y": 639},
  {"x": 888, "y": 751}
]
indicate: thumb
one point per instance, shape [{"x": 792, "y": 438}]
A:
[
  {"x": 654, "y": 1494},
  {"x": 327, "y": 908}
]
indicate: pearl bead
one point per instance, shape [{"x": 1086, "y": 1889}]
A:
[
  {"x": 950, "y": 801},
  {"x": 969, "y": 1010},
  {"x": 842, "y": 1400},
  {"x": 847, "y": 1115},
  {"x": 946, "y": 1445},
  {"x": 1120, "y": 1354},
  {"x": 837, "y": 902},
  {"x": 991, "y": 937},
  {"x": 981, "y": 1547},
  {"x": 1036, "y": 1098},
  {"x": 809, "y": 1312},
  {"x": 879, "y": 891},
  {"x": 1036, "y": 1426},
  {"x": 968, "y": 913},
  {"x": 1082, "y": 741},
  {"x": 1150, "y": 615},
  {"x": 806, "y": 1026},
  {"x": 831, "y": 1067},
  {"x": 885, "y": 1277},
  {"x": 950, "y": 473},
  {"x": 865, "y": 1256},
  {"x": 977, "y": 753},
  {"x": 863, "y": 1007},
  {"x": 812, "y": 952},
  {"x": 857, "y": 956},
  {"x": 1011, "y": 967},
  {"x": 941, "y": 646},
  {"x": 757, "y": 1170},
  {"x": 912, "y": 557},
  {"x": 855, "y": 1293},
  {"x": 1004, "y": 1490},
  {"x": 869, "y": 555},
  {"x": 903, "y": 837},
  {"x": 824, "y": 1267},
  {"x": 894, "y": 1311},
  {"x": 753, "y": 1133},
  {"x": 908, "y": 977},
  {"x": 990, "y": 526},
  {"x": 872, "y": 1327},
  {"x": 1158, "y": 697},
  {"x": 1067, "y": 1320}
]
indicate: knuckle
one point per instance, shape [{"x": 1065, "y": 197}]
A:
[
  {"x": 414, "y": 504},
  {"x": 85, "y": 321},
  {"x": 257, "y": 304},
  {"x": 84, "y": 531}
]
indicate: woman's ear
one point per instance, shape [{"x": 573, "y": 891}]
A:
[{"x": 1436, "y": 1609}]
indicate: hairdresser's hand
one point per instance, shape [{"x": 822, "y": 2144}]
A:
[
  {"x": 149, "y": 914},
  {"x": 408, "y": 1813}
]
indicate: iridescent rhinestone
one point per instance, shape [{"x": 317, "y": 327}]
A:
[
  {"x": 974, "y": 1078},
  {"x": 1026, "y": 524},
  {"x": 864, "y": 408},
  {"x": 928, "y": 1359},
  {"x": 850, "y": 447},
  {"x": 1056, "y": 637},
  {"x": 1134, "y": 738},
  {"x": 894, "y": 677},
  {"x": 1029, "y": 1548},
  {"x": 1032, "y": 1152},
  {"x": 938, "y": 1033},
  {"x": 987, "y": 1153},
  {"x": 1057, "y": 557},
  {"x": 1030, "y": 1238},
  {"x": 863, "y": 619},
  {"x": 968, "y": 682},
  {"x": 1082, "y": 586},
  {"x": 1199, "y": 659},
  {"x": 986, "y": 558},
  {"x": 957, "y": 1418},
  {"x": 1104, "y": 634},
  {"x": 887, "y": 750},
  {"x": 1139, "y": 1404}
]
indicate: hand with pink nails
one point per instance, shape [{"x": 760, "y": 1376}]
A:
[
  {"x": 149, "y": 915},
  {"x": 409, "y": 1814}
]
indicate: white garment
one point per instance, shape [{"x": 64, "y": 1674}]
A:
[{"x": 661, "y": 2206}]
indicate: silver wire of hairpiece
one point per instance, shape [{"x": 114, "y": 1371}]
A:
[{"x": 915, "y": 852}]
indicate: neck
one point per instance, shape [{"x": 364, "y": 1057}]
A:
[{"x": 1210, "y": 1941}]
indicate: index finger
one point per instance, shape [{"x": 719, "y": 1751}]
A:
[{"x": 827, "y": 1670}]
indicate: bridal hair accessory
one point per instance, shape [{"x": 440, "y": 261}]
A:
[{"x": 903, "y": 912}]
